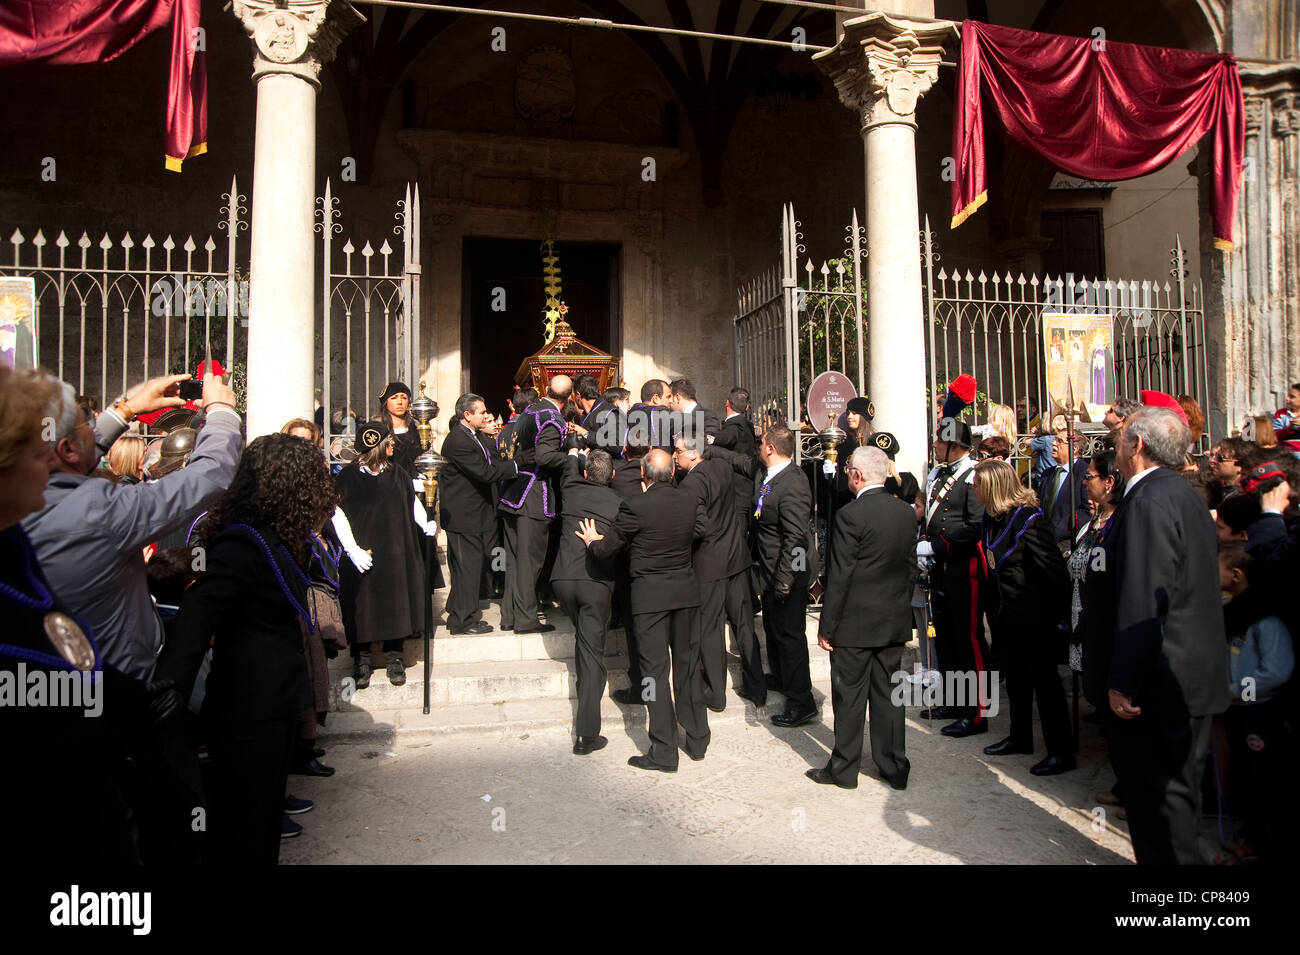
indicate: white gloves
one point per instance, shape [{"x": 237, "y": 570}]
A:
[
  {"x": 430, "y": 527},
  {"x": 360, "y": 558},
  {"x": 828, "y": 468},
  {"x": 924, "y": 549},
  {"x": 418, "y": 484}
]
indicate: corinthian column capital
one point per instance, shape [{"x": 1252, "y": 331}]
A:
[
  {"x": 295, "y": 36},
  {"x": 882, "y": 65}
]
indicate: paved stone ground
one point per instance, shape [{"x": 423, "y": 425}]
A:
[{"x": 422, "y": 799}]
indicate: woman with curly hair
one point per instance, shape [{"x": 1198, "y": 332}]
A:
[
  {"x": 1028, "y": 602},
  {"x": 251, "y": 606}
]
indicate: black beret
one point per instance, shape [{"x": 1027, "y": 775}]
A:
[
  {"x": 885, "y": 442},
  {"x": 370, "y": 435},
  {"x": 394, "y": 388},
  {"x": 862, "y": 405}
]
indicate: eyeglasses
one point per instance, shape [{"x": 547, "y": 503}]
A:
[{"x": 1091, "y": 476}]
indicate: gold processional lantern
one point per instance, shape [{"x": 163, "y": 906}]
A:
[
  {"x": 428, "y": 465},
  {"x": 563, "y": 352}
]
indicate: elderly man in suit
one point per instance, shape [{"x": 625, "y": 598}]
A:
[
  {"x": 721, "y": 563},
  {"x": 659, "y": 529},
  {"x": 784, "y": 562},
  {"x": 866, "y": 620},
  {"x": 585, "y": 585},
  {"x": 1153, "y": 652},
  {"x": 467, "y": 508}
]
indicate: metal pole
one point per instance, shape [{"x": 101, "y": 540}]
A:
[{"x": 430, "y": 555}]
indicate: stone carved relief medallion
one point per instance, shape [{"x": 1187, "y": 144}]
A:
[
  {"x": 903, "y": 89},
  {"x": 546, "y": 86},
  {"x": 281, "y": 38}
]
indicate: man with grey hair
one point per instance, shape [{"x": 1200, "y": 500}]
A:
[
  {"x": 658, "y": 528},
  {"x": 467, "y": 508},
  {"x": 91, "y": 534},
  {"x": 1119, "y": 411},
  {"x": 866, "y": 620},
  {"x": 1153, "y": 639}
]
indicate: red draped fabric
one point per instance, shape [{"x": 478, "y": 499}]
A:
[
  {"x": 1096, "y": 110},
  {"x": 96, "y": 31}
]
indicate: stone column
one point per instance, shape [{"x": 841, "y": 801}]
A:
[
  {"x": 881, "y": 67},
  {"x": 1255, "y": 350},
  {"x": 290, "y": 45}
]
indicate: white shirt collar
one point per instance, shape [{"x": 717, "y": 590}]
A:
[
  {"x": 468, "y": 428},
  {"x": 1132, "y": 482},
  {"x": 687, "y": 409},
  {"x": 869, "y": 487},
  {"x": 774, "y": 470},
  {"x": 734, "y": 414}
]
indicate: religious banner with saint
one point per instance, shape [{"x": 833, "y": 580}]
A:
[
  {"x": 17, "y": 322},
  {"x": 1080, "y": 358}
]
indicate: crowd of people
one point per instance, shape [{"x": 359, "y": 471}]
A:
[{"x": 205, "y": 585}]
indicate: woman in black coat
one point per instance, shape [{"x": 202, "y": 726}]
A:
[
  {"x": 1027, "y": 604},
  {"x": 251, "y": 606}
]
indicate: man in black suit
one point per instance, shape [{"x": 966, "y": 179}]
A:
[
  {"x": 466, "y": 508},
  {"x": 528, "y": 503},
  {"x": 1054, "y": 493},
  {"x": 659, "y": 529},
  {"x": 684, "y": 408},
  {"x": 736, "y": 433},
  {"x": 1153, "y": 651},
  {"x": 953, "y": 518},
  {"x": 585, "y": 585},
  {"x": 600, "y": 423},
  {"x": 784, "y": 562},
  {"x": 721, "y": 565},
  {"x": 627, "y": 484},
  {"x": 866, "y": 620},
  {"x": 648, "y": 422}
]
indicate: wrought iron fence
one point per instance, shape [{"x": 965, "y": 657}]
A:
[
  {"x": 369, "y": 302},
  {"x": 104, "y": 319},
  {"x": 789, "y": 327},
  {"x": 991, "y": 325}
]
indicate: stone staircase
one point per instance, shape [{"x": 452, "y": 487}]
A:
[{"x": 506, "y": 681}]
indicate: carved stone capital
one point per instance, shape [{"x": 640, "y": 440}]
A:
[
  {"x": 1255, "y": 108},
  {"x": 882, "y": 65},
  {"x": 295, "y": 36},
  {"x": 1286, "y": 116}
]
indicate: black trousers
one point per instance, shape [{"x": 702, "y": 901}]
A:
[
  {"x": 787, "y": 644},
  {"x": 246, "y": 785},
  {"x": 1158, "y": 763},
  {"x": 1262, "y": 750},
  {"x": 623, "y": 598},
  {"x": 861, "y": 681},
  {"x": 466, "y": 554},
  {"x": 959, "y": 632},
  {"x": 526, "y": 540},
  {"x": 1028, "y": 660},
  {"x": 658, "y": 634},
  {"x": 713, "y": 641},
  {"x": 587, "y": 603},
  {"x": 739, "y": 608}
]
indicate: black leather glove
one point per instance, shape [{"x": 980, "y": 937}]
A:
[
  {"x": 781, "y": 593},
  {"x": 165, "y": 701}
]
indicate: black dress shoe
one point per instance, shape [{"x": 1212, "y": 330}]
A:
[
  {"x": 897, "y": 782},
  {"x": 744, "y": 695},
  {"x": 772, "y": 682},
  {"x": 540, "y": 628},
  {"x": 1007, "y": 747},
  {"x": 312, "y": 767},
  {"x": 822, "y": 775},
  {"x": 481, "y": 626},
  {"x": 645, "y": 762},
  {"x": 627, "y": 696},
  {"x": 1053, "y": 765},
  {"x": 938, "y": 713},
  {"x": 694, "y": 757},
  {"x": 289, "y": 828},
  {"x": 794, "y": 718},
  {"x": 318, "y": 752},
  {"x": 965, "y": 727},
  {"x": 588, "y": 744},
  {"x": 717, "y": 709}
]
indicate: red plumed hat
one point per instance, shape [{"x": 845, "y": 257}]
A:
[
  {"x": 960, "y": 394},
  {"x": 1158, "y": 399}
]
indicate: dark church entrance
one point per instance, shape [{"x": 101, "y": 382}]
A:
[{"x": 507, "y": 274}]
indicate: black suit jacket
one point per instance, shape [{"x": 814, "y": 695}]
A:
[
  {"x": 781, "y": 545},
  {"x": 1028, "y": 586},
  {"x": 606, "y": 429},
  {"x": 737, "y": 434},
  {"x": 702, "y": 418},
  {"x": 1152, "y": 616},
  {"x": 658, "y": 529},
  {"x": 870, "y": 573},
  {"x": 582, "y": 499},
  {"x": 627, "y": 478},
  {"x": 650, "y": 425},
  {"x": 1059, "y": 514},
  {"x": 466, "y": 501},
  {"x": 722, "y": 551},
  {"x": 258, "y": 668},
  {"x": 537, "y": 441}
]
